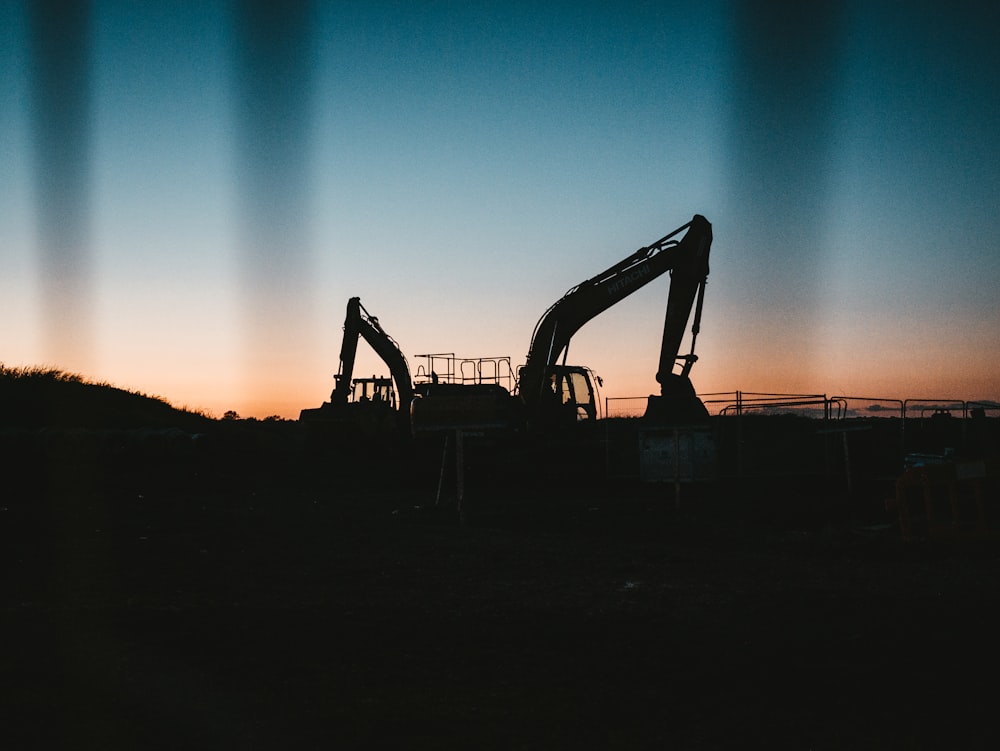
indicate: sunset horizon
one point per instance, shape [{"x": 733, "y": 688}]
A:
[{"x": 192, "y": 194}]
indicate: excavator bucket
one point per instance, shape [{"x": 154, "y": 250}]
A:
[{"x": 677, "y": 404}]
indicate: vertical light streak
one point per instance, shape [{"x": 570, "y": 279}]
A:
[
  {"x": 61, "y": 126},
  {"x": 274, "y": 70},
  {"x": 785, "y": 77}
]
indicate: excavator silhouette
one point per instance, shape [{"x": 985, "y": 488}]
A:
[
  {"x": 371, "y": 407},
  {"x": 549, "y": 395},
  {"x": 555, "y": 394},
  {"x": 390, "y": 408}
]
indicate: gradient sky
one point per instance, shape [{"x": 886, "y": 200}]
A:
[{"x": 191, "y": 191}]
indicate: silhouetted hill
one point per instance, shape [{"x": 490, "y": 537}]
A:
[{"x": 51, "y": 398}]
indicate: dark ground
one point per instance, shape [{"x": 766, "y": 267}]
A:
[{"x": 167, "y": 610}]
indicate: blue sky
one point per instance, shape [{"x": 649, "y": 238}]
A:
[{"x": 233, "y": 176}]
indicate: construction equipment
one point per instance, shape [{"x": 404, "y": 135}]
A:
[
  {"x": 471, "y": 393},
  {"x": 556, "y": 394},
  {"x": 371, "y": 406}
]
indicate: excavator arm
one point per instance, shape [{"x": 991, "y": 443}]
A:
[
  {"x": 366, "y": 413},
  {"x": 358, "y": 323},
  {"x": 687, "y": 260}
]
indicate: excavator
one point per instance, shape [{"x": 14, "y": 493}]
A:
[
  {"x": 555, "y": 404},
  {"x": 555, "y": 394},
  {"x": 369, "y": 406}
]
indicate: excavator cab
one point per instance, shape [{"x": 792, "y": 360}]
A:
[
  {"x": 375, "y": 390},
  {"x": 568, "y": 396},
  {"x": 574, "y": 393}
]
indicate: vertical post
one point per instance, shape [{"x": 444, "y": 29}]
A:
[
  {"x": 965, "y": 431},
  {"x": 902, "y": 435},
  {"x": 677, "y": 469},
  {"x": 444, "y": 461},
  {"x": 607, "y": 448},
  {"x": 847, "y": 464},
  {"x": 739, "y": 436},
  {"x": 459, "y": 472}
]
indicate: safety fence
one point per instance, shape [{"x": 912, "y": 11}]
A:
[
  {"x": 769, "y": 434},
  {"x": 733, "y": 403}
]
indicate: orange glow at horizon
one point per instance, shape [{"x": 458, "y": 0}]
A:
[
  {"x": 192, "y": 229},
  {"x": 217, "y": 385}
]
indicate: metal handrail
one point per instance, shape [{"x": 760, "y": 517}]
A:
[{"x": 451, "y": 369}]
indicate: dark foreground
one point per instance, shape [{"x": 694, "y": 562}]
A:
[{"x": 267, "y": 616}]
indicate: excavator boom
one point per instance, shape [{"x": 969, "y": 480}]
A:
[{"x": 686, "y": 257}]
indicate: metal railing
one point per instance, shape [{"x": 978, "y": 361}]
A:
[
  {"x": 742, "y": 402},
  {"x": 445, "y": 367},
  {"x": 734, "y": 403},
  {"x": 625, "y": 406},
  {"x": 729, "y": 403}
]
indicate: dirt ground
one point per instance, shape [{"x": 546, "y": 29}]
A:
[{"x": 268, "y": 616}]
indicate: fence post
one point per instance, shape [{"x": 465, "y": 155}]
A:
[
  {"x": 460, "y": 473},
  {"x": 739, "y": 435},
  {"x": 677, "y": 469}
]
